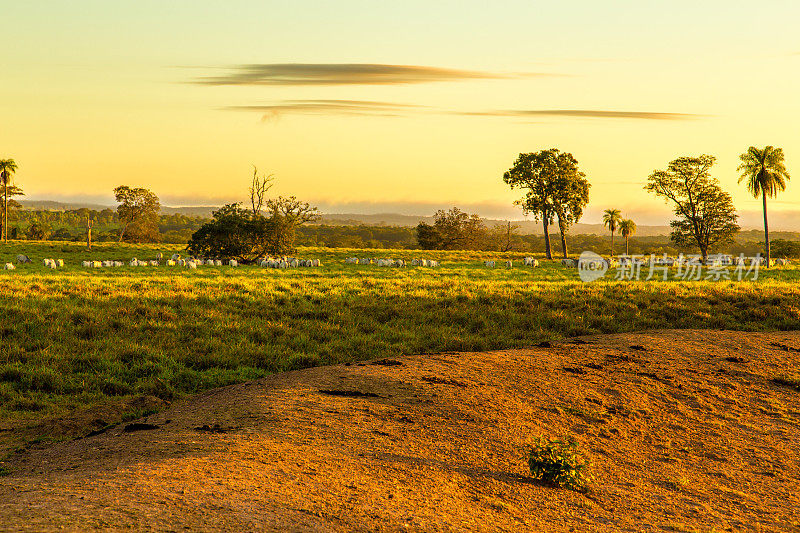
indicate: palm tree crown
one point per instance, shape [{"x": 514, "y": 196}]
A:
[
  {"x": 611, "y": 219},
  {"x": 764, "y": 171},
  {"x": 7, "y": 169}
]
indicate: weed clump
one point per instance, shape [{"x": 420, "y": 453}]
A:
[{"x": 557, "y": 462}]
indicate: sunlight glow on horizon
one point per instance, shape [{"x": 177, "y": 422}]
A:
[{"x": 96, "y": 95}]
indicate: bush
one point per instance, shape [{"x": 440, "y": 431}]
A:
[
  {"x": 558, "y": 463},
  {"x": 242, "y": 234}
]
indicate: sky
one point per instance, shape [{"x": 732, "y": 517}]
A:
[{"x": 412, "y": 106}]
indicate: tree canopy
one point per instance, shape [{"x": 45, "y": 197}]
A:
[
  {"x": 138, "y": 214},
  {"x": 706, "y": 215},
  {"x": 452, "y": 230}
]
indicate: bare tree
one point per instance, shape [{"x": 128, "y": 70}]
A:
[{"x": 258, "y": 190}]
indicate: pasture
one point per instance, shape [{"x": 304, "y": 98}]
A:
[{"x": 75, "y": 337}]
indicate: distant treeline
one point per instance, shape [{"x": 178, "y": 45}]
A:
[
  {"x": 71, "y": 225},
  {"x": 177, "y": 229}
]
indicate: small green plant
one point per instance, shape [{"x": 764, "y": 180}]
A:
[{"x": 558, "y": 462}]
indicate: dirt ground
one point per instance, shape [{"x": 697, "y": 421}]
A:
[{"x": 685, "y": 431}]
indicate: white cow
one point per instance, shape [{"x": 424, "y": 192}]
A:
[{"x": 9, "y": 266}]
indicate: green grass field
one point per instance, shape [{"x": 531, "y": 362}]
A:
[{"x": 76, "y": 337}]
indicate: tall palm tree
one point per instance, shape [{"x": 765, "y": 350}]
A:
[
  {"x": 766, "y": 175},
  {"x": 627, "y": 228},
  {"x": 611, "y": 220},
  {"x": 7, "y": 169}
]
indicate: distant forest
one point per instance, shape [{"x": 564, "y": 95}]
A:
[{"x": 177, "y": 228}]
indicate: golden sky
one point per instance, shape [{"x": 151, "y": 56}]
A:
[{"x": 363, "y": 106}]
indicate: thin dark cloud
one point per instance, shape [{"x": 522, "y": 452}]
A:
[
  {"x": 328, "y": 107},
  {"x": 347, "y": 74},
  {"x": 585, "y": 113}
]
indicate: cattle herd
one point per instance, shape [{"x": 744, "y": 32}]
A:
[
  {"x": 294, "y": 262},
  {"x": 391, "y": 262}
]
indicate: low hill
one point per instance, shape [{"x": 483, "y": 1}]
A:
[{"x": 684, "y": 431}]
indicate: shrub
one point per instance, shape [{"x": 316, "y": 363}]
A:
[{"x": 558, "y": 463}]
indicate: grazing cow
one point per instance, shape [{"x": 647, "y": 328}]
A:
[
  {"x": 22, "y": 258},
  {"x": 570, "y": 263},
  {"x": 233, "y": 263},
  {"x": 191, "y": 265},
  {"x": 509, "y": 264},
  {"x": 9, "y": 266},
  {"x": 489, "y": 264}
]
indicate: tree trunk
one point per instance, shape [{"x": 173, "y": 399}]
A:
[
  {"x": 626, "y": 246},
  {"x": 612, "y": 243},
  {"x": 5, "y": 213},
  {"x": 547, "y": 252},
  {"x": 704, "y": 254},
  {"x": 563, "y": 238},
  {"x": 766, "y": 226}
]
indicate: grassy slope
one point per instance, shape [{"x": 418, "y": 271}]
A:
[{"x": 76, "y": 337}]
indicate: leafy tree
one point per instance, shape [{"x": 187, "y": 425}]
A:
[
  {"x": 61, "y": 234},
  {"x": 138, "y": 214},
  {"x": 37, "y": 232},
  {"x": 452, "y": 230},
  {"x": 786, "y": 248},
  {"x": 706, "y": 214},
  {"x": 570, "y": 194},
  {"x": 627, "y": 228},
  {"x": 611, "y": 220},
  {"x": 286, "y": 215},
  {"x": 427, "y": 237},
  {"x": 7, "y": 169},
  {"x": 531, "y": 172},
  {"x": 766, "y": 175},
  {"x": 555, "y": 189}
]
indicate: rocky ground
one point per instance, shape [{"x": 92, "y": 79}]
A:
[{"x": 685, "y": 431}]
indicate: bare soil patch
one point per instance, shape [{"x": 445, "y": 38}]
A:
[{"x": 685, "y": 430}]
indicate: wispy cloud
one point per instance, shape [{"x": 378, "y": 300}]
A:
[
  {"x": 348, "y": 74},
  {"x": 328, "y": 107},
  {"x": 392, "y": 109},
  {"x": 585, "y": 113}
]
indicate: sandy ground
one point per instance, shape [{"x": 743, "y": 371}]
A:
[{"x": 684, "y": 429}]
